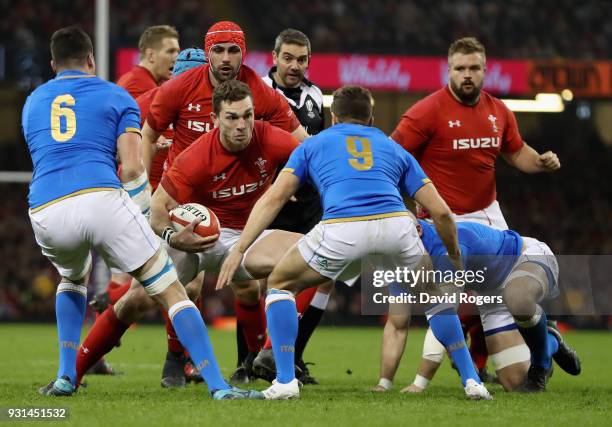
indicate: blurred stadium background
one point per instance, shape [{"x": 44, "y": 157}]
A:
[{"x": 397, "y": 48}]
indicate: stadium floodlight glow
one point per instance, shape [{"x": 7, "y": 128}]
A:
[
  {"x": 543, "y": 103},
  {"x": 327, "y": 100},
  {"x": 567, "y": 95}
]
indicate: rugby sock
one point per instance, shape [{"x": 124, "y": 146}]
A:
[
  {"x": 303, "y": 299},
  {"x": 309, "y": 322},
  {"x": 253, "y": 320},
  {"x": 102, "y": 337},
  {"x": 192, "y": 332},
  {"x": 283, "y": 328},
  {"x": 535, "y": 334},
  {"x": 116, "y": 290},
  {"x": 553, "y": 344},
  {"x": 447, "y": 329},
  {"x": 243, "y": 350},
  {"x": 174, "y": 344},
  {"x": 70, "y": 305}
]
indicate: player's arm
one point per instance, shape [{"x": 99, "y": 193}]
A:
[
  {"x": 428, "y": 197},
  {"x": 134, "y": 177},
  {"x": 185, "y": 240},
  {"x": 149, "y": 140},
  {"x": 300, "y": 133},
  {"x": 528, "y": 160},
  {"x": 265, "y": 210}
]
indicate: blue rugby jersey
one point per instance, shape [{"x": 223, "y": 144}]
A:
[{"x": 71, "y": 125}]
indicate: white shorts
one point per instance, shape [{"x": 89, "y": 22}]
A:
[
  {"x": 335, "y": 250},
  {"x": 495, "y": 318},
  {"x": 540, "y": 253},
  {"x": 108, "y": 221},
  {"x": 188, "y": 265},
  {"x": 491, "y": 216}
]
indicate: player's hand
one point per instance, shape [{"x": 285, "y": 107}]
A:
[
  {"x": 228, "y": 269},
  {"x": 456, "y": 261},
  {"x": 188, "y": 241},
  {"x": 162, "y": 143},
  {"x": 549, "y": 161}
]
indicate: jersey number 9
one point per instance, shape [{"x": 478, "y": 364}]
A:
[
  {"x": 57, "y": 112},
  {"x": 362, "y": 159}
]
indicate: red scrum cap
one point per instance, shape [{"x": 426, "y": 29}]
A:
[{"x": 225, "y": 32}]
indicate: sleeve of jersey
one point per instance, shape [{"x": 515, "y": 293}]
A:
[
  {"x": 164, "y": 107},
  {"x": 129, "y": 115},
  {"x": 414, "y": 127},
  {"x": 275, "y": 108},
  {"x": 297, "y": 164},
  {"x": 414, "y": 176},
  {"x": 179, "y": 180},
  {"x": 512, "y": 140}
]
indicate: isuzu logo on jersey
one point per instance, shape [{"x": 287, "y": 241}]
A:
[
  {"x": 239, "y": 190},
  {"x": 198, "y": 126},
  {"x": 192, "y": 107},
  {"x": 452, "y": 124},
  {"x": 466, "y": 143}
]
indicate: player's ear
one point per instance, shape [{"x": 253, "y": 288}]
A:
[
  {"x": 150, "y": 54},
  {"x": 274, "y": 57},
  {"x": 334, "y": 118},
  {"x": 91, "y": 63},
  {"x": 215, "y": 119},
  {"x": 53, "y": 67},
  {"x": 371, "y": 121}
]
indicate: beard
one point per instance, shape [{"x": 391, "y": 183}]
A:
[
  {"x": 467, "y": 97},
  {"x": 223, "y": 78}
]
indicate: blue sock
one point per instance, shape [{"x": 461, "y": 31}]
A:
[
  {"x": 535, "y": 334},
  {"x": 192, "y": 333},
  {"x": 282, "y": 318},
  {"x": 447, "y": 329},
  {"x": 553, "y": 344},
  {"x": 70, "y": 305}
]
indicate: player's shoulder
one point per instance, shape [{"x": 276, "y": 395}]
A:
[
  {"x": 491, "y": 99},
  {"x": 255, "y": 81},
  {"x": 270, "y": 134},
  {"x": 186, "y": 80},
  {"x": 429, "y": 105}
]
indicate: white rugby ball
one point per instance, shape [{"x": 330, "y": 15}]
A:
[{"x": 185, "y": 214}]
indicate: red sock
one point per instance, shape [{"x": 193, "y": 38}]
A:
[
  {"x": 102, "y": 337},
  {"x": 303, "y": 299},
  {"x": 174, "y": 344},
  {"x": 478, "y": 346},
  {"x": 116, "y": 290},
  {"x": 253, "y": 321}
]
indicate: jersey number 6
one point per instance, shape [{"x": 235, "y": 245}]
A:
[
  {"x": 362, "y": 158},
  {"x": 58, "y": 111}
]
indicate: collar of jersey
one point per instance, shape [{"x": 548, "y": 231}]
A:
[{"x": 72, "y": 73}]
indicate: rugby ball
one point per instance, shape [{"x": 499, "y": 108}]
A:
[{"x": 183, "y": 215}]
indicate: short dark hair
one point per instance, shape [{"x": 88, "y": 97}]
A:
[
  {"x": 229, "y": 91},
  {"x": 291, "y": 36},
  {"x": 70, "y": 45},
  {"x": 153, "y": 36},
  {"x": 352, "y": 104},
  {"x": 466, "y": 45}
]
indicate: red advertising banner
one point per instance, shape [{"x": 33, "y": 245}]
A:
[{"x": 426, "y": 74}]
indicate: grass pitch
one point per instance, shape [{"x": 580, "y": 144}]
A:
[{"x": 346, "y": 366}]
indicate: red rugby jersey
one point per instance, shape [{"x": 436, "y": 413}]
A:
[
  {"x": 186, "y": 102},
  {"x": 229, "y": 183},
  {"x": 157, "y": 167},
  {"x": 137, "y": 81},
  {"x": 457, "y": 145}
]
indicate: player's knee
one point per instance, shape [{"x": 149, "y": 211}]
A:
[
  {"x": 157, "y": 274},
  {"x": 511, "y": 365},
  {"x": 133, "y": 305},
  {"x": 519, "y": 301}
]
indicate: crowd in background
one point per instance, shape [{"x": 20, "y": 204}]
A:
[
  {"x": 508, "y": 28},
  {"x": 570, "y": 210}
]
